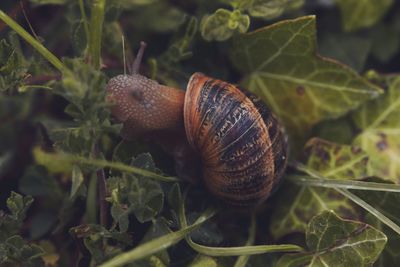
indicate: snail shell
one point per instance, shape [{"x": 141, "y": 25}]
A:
[{"x": 242, "y": 146}]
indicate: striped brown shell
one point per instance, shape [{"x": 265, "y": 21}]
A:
[{"x": 242, "y": 146}]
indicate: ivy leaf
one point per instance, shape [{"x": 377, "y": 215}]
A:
[
  {"x": 337, "y": 242},
  {"x": 269, "y": 9},
  {"x": 380, "y": 136},
  {"x": 387, "y": 203},
  {"x": 135, "y": 194},
  {"x": 223, "y": 24},
  {"x": 336, "y": 161},
  {"x": 301, "y": 203},
  {"x": 357, "y": 14},
  {"x": 281, "y": 65}
]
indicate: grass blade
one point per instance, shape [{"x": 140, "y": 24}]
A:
[
  {"x": 385, "y": 220},
  {"x": 50, "y": 57},
  {"x": 156, "y": 245},
  {"x": 345, "y": 184}
]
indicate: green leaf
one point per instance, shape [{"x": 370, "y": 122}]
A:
[
  {"x": 269, "y": 9},
  {"x": 301, "y": 203},
  {"x": 380, "y": 136},
  {"x": 223, "y": 24},
  {"x": 135, "y": 194},
  {"x": 96, "y": 239},
  {"x": 352, "y": 51},
  {"x": 17, "y": 252},
  {"x": 357, "y": 14},
  {"x": 336, "y": 161},
  {"x": 336, "y": 242},
  {"x": 388, "y": 204},
  {"x": 281, "y": 65},
  {"x": 13, "y": 67}
]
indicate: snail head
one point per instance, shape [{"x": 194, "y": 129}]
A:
[{"x": 143, "y": 105}]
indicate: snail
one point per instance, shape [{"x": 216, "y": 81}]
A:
[{"x": 242, "y": 146}]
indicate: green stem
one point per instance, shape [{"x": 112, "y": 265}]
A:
[
  {"x": 232, "y": 251},
  {"x": 242, "y": 260},
  {"x": 91, "y": 200},
  {"x": 85, "y": 20},
  {"x": 44, "y": 158},
  {"x": 96, "y": 29},
  {"x": 33, "y": 42}
]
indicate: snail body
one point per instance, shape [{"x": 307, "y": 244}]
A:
[{"x": 242, "y": 147}]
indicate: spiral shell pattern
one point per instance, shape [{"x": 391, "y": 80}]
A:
[{"x": 242, "y": 146}]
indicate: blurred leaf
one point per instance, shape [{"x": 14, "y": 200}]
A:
[
  {"x": 37, "y": 182},
  {"x": 48, "y": 2},
  {"x": 203, "y": 261},
  {"x": 135, "y": 194},
  {"x": 281, "y": 66},
  {"x": 385, "y": 38},
  {"x": 223, "y": 24},
  {"x": 169, "y": 17},
  {"x": 179, "y": 49},
  {"x": 353, "y": 50},
  {"x": 336, "y": 242},
  {"x": 336, "y": 161},
  {"x": 269, "y": 9},
  {"x": 380, "y": 125},
  {"x": 15, "y": 251},
  {"x": 357, "y": 14}
]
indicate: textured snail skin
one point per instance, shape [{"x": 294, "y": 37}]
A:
[
  {"x": 242, "y": 146},
  {"x": 144, "y": 105}
]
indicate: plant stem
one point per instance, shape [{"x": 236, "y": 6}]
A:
[
  {"x": 96, "y": 28},
  {"x": 91, "y": 200},
  {"x": 33, "y": 42},
  {"x": 102, "y": 189},
  {"x": 85, "y": 21}
]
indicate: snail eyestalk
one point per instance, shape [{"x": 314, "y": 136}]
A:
[{"x": 138, "y": 60}]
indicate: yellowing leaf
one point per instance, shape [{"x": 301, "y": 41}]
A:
[
  {"x": 380, "y": 136},
  {"x": 336, "y": 161},
  {"x": 281, "y": 65},
  {"x": 357, "y": 14}
]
